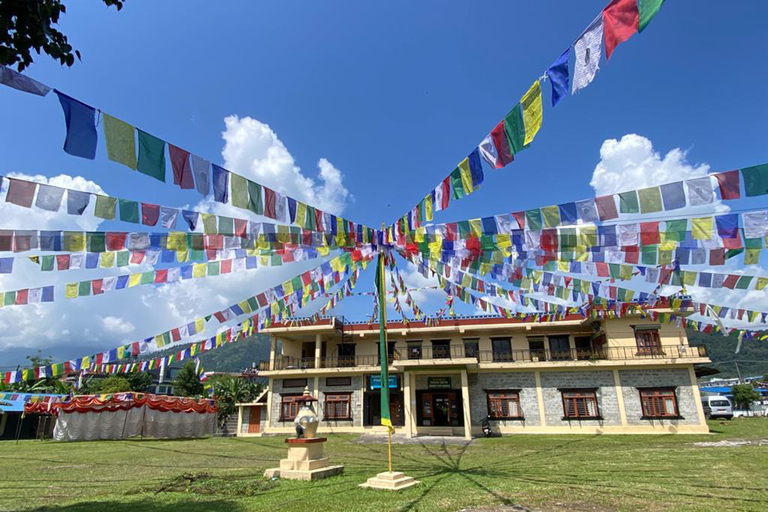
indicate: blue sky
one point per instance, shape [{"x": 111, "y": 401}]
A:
[{"x": 393, "y": 95}]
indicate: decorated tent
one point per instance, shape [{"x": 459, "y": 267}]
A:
[{"x": 124, "y": 415}]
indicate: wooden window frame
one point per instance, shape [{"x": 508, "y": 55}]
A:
[
  {"x": 505, "y": 395},
  {"x": 583, "y": 394},
  {"x": 657, "y": 399},
  {"x": 648, "y": 347},
  {"x": 290, "y": 401},
  {"x": 334, "y": 398},
  {"x": 329, "y": 382},
  {"x": 303, "y": 385}
]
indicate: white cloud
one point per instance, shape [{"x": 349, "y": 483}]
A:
[
  {"x": 117, "y": 325},
  {"x": 253, "y": 149},
  {"x": 631, "y": 163}
]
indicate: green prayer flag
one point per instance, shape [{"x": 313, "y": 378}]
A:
[
  {"x": 665, "y": 257},
  {"x": 151, "y": 156},
  {"x": 255, "y": 204},
  {"x": 755, "y": 180},
  {"x": 647, "y": 10},
  {"x": 456, "y": 184},
  {"x": 226, "y": 225},
  {"x": 381, "y": 285},
  {"x": 648, "y": 254},
  {"x": 196, "y": 254},
  {"x": 753, "y": 243},
  {"x": 551, "y": 216},
  {"x": 97, "y": 242},
  {"x": 209, "y": 224},
  {"x": 615, "y": 270},
  {"x": 239, "y": 190},
  {"x": 743, "y": 282},
  {"x": 123, "y": 258},
  {"x": 628, "y": 202},
  {"x": 129, "y": 211},
  {"x": 311, "y": 225},
  {"x": 464, "y": 229},
  {"x": 9, "y": 298},
  {"x": 253, "y": 303},
  {"x": 297, "y": 283},
  {"x": 148, "y": 277},
  {"x": 533, "y": 219},
  {"x": 676, "y": 230},
  {"x": 121, "y": 141},
  {"x": 46, "y": 263},
  {"x": 105, "y": 207},
  {"x": 83, "y": 288},
  {"x": 515, "y": 130},
  {"x": 213, "y": 268},
  {"x": 650, "y": 200}
]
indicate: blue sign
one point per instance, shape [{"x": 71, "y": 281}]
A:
[{"x": 376, "y": 381}]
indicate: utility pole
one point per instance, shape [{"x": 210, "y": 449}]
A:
[{"x": 738, "y": 372}]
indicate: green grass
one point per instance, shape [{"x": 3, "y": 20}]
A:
[{"x": 541, "y": 472}]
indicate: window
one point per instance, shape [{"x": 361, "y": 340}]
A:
[
  {"x": 338, "y": 381},
  {"x": 294, "y": 383},
  {"x": 536, "y": 347},
  {"x": 337, "y": 406},
  {"x": 289, "y": 407},
  {"x": 502, "y": 349},
  {"x": 559, "y": 347},
  {"x": 580, "y": 404},
  {"x": 414, "y": 350},
  {"x": 659, "y": 403},
  {"x": 471, "y": 347},
  {"x": 504, "y": 405},
  {"x": 441, "y": 349},
  {"x": 647, "y": 338}
]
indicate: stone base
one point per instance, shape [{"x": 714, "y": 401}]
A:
[
  {"x": 305, "y": 461},
  {"x": 312, "y": 474},
  {"x": 390, "y": 481}
]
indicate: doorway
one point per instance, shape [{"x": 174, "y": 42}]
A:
[{"x": 439, "y": 409}]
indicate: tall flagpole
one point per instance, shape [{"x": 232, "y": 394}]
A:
[{"x": 384, "y": 354}]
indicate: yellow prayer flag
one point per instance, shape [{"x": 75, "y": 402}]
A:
[
  {"x": 199, "y": 270},
  {"x": 288, "y": 287},
  {"x": 476, "y": 227},
  {"x": 134, "y": 280},
  {"x": 76, "y": 241},
  {"x": 762, "y": 282},
  {"x": 193, "y": 349},
  {"x": 177, "y": 240},
  {"x": 159, "y": 341},
  {"x": 428, "y": 207},
  {"x": 199, "y": 325},
  {"x": 209, "y": 223},
  {"x": 301, "y": 214},
  {"x": 182, "y": 256},
  {"x": 107, "y": 260},
  {"x": 71, "y": 292},
  {"x": 752, "y": 257},
  {"x": 702, "y": 228},
  {"x": 563, "y": 266},
  {"x": 466, "y": 176},
  {"x": 532, "y": 111},
  {"x": 588, "y": 236},
  {"x": 120, "y": 352},
  {"x": 689, "y": 278}
]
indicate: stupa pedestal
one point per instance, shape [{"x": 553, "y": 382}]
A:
[
  {"x": 390, "y": 481},
  {"x": 305, "y": 461}
]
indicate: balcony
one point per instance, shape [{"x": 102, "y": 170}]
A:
[{"x": 458, "y": 355}]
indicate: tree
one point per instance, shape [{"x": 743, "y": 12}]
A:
[
  {"x": 187, "y": 383},
  {"x": 744, "y": 395},
  {"x": 139, "y": 381},
  {"x": 229, "y": 391},
  {"x": 28, "y": 24},
  {"x": 39, "y": 359},
  {"x": 112, "y": 384}
]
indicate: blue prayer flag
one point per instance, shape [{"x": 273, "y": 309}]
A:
[
  {"x": 673, "y": 195},
  {"x": 558, "y": 77},
  {"x": 80, "y": 120},
  {"x": 47, "y": 294},
  {"x": 220, "y": 184},
  {"x": 728, "y": 225},
  {"x": 568, "y": 213},
  {"x": 292, "y": 209},
  {"x": 186, "y": 272},
  {"x": 190, "y": 218},
  {"x": 122, "y": 282},
  {"x": 6, "y": 265},
  {"x": 92, "y": 260},
  {"x": 475, "y": 168}
]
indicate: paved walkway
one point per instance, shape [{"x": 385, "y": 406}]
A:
[{"x": 402, "y": 439}]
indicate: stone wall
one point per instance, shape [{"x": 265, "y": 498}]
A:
[
  {"x": 678, "y": 378},
  {"x": 524, "y": 381},
  {"x": 277, "y": 391},
  {"x": 356, "y": 402},
  {"x": 607, "y": 400}
]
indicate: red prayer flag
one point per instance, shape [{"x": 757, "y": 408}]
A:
[
  {"x": 175, "y": 334},
  {"x": 621, "y": 19},
  {"x": 20, "y": 192},
  {"x": 116, "y": 241},
  {"x": 729, "y": 184},
  {"x": 631, "y": 254},
  {"x": 649, "y": 233},
  {"x": 137, "y": 257},
  {"x": 22, "y": 296},
  {"x": 225, "y": 267},
  {"x": 606, "y": 207},
  {"x": 62, "y": 261},
  {"x": 149, "y": 214},
  {"x": 269, "y": 203},
  {"x": 98, "y": 286},
  {"x": 503, "y": 155},
  {"x": 602, "y": 269},
  {"x": 520, "y": 219},
  {"x": 241, "y": 228},
  {"x": 717, "y": 257},
  {"x": 446, "y": 184},
  {"x": 161, "y": 276},
  {"x": 182, "y": 172},
  {"x": 730, "y": 281},
  {"x": 319, "y": 219}
]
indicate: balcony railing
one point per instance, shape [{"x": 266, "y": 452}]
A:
[{"x": 489, "y": 356}]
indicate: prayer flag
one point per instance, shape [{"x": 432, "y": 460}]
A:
[
  {"x": 239, "y": 191},
  {"x": 201, "y": 169},
  {"x": 620, "y": 21},
  {"x": 80, "y": 121},
  {"x": 729, "y": 184},
  {"x": 168, "y": 217},
  {"x": 254, "y": 198},
  {"x": 180, "y": 165},
  {"x": 121, "y": 141},
  {"x": 503, "y": 154},
  {"x": 649, "y": 233},
  {"x": 551, "y": 216},
  {"x": 533, "y": 219},
  {"x": 129, "y": 211},
  {"x": 558, "y": 76},
  {"x": 702, "y": 228},
  {"x": 628, "y": 202},
  {"x": 488, "y": 151},
  {"x": 650, "y": 200},
  {"x": 755, "y": 180},
  {"x": 755, "y": 224},
  {"x": 587, "y": 49},
  {"x": 466, "y": 177},
  {"x": 457, "y": 184},
  {"x": 150, "y": 213},
  {"x": 220, "y": 184},
  {"x": 269, "y": 203},
  {"x": 587, "y": 210},
  {"x": 443, "y": 194},
  {"x": 532, "y": 111},
  {"x": 568, "y": 213},
  {"x": 190, "y": 218},
  {"x": 700, "y": 191},
  {"x": 475, "y": 168},
  {"x": 151, "y": 156},
  {"x": 77, "y": 202},
  {"x": 20, "y": 192},
  {"x": 606, "y": 207},
  {"x": 16, "y": 80},
  {"x": 514, "y": 128},
  {"x": 673, "y": 195},
  {"x": 647, "y": 10}
]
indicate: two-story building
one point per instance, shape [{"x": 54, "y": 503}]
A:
[{"x": 576, "y": 375}]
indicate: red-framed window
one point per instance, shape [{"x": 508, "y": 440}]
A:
[
  {"x": 659, "y": 403},
  {"x": 337, "y": 406},
  {"x": 648, "y": 341},
  {"x": 504, "y": 405},
  {"x": 580, "y": 404},
  {"x": 289, "y": 407}
]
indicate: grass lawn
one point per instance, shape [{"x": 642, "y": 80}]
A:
[{"x": 548, "y": 473}]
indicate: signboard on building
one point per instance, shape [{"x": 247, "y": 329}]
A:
[
  {"x": 439, "y": 382},
  {"x": 376, "y": 382}
]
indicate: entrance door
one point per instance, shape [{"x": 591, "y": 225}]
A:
[
  {"x": 254, "y": 420},
  {"x": 440, "y": 409}
]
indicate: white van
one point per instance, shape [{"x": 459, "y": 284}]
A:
[{"x": 717, "y": 407}]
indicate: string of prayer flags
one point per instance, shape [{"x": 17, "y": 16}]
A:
[
  {"x": 26, "y": 296},
  {"x": 80, "y": 121},
  {"x": 16, "y": 80}
]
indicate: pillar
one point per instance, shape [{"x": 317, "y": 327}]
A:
[
  {"x": 696, "y": 396},
  {"x": 620, "y": 397},
  {"x": 269, "y": 405},
  {"x": 540, "y": 399},
  {"x": 318, "y": 349},
  {"x": 407, "y": 407},
  {"x": 272, "y": 352},
  {"x": 465, "y": 401}
]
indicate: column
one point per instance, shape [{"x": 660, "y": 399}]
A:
[
  {"x": 272, "y": 354},
  {"x": 540, "y": 399},
  {"x": 268, "y": 426},
  {"x": 407, "y": 408},
  {"x": 467, "y": 409},
  {"x": 620, "y": 397},
  {"x": 318, "y": 349},
  {"x": 696, "y": 396}
]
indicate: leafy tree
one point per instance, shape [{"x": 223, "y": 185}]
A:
[
  {"x": 187, "y": 383},
  {"x": 112, "y": 384},
  {"x": 744, "y": 395},
  {"x": 38, "y": 359},
  {"x": 229, "y": 391},
  {"x": 27, "y": 25},
  {"x": 139, "y": 381}
]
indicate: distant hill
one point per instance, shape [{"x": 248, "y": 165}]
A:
[
  {"x": 752, "y": 358},
  {"x": 231, "y": 357}
]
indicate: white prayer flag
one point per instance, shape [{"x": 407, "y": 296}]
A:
[
  {"x": 700, "y": 191},
  {"x": 488, "y": 151},
  {"x": 755, "y": 224},
  {"x": 588, "y": 49}
]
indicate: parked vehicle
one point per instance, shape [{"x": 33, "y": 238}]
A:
[
  {"x": 486, "y": 425},
  {"x": 717, "y": 407}
]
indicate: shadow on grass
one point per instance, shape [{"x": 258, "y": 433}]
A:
[{"x": 117, "y": 506}]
